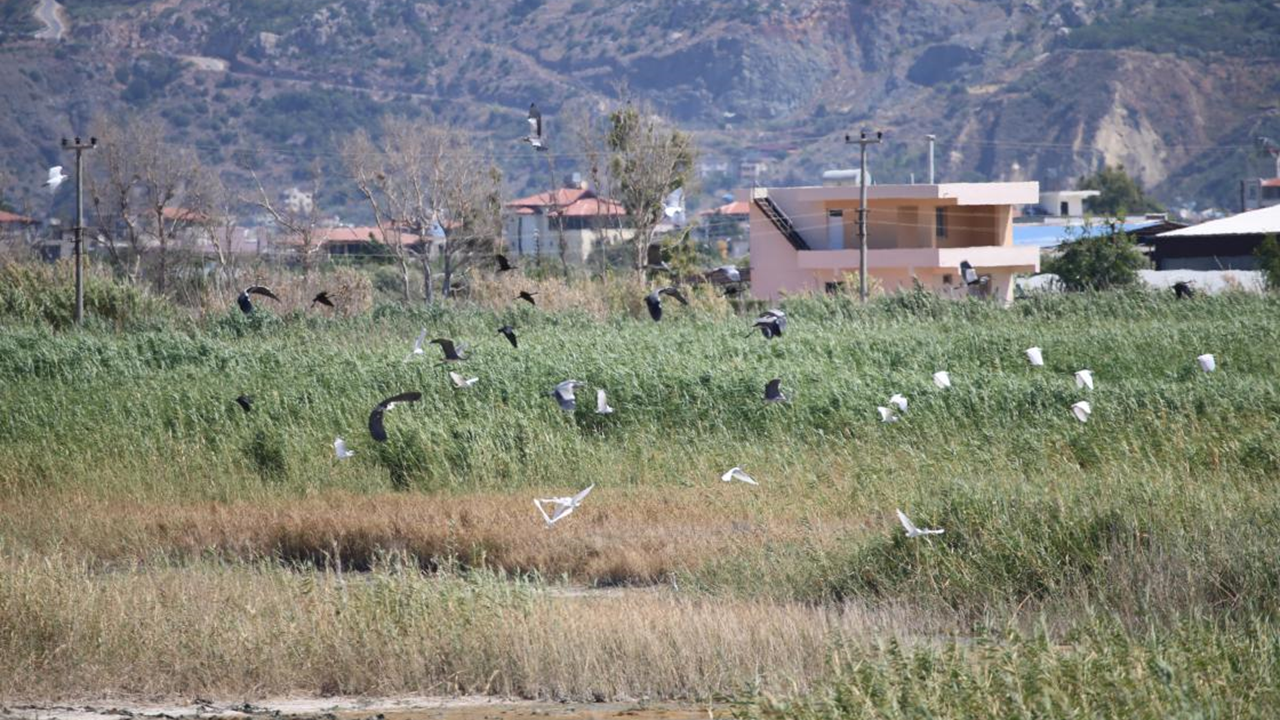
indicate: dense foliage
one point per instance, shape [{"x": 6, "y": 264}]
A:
[{"x": 1098, "y": 261}]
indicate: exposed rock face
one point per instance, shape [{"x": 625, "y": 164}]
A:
[{"x": 1034, "y": 89}]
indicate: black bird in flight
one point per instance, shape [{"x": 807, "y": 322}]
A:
[
  {"x": 376, "y": 428},
  {"x": 1183, "y": 290},
  {"x": 654, "y": 301},
  {"x": 773, "y": 391},
  {"x": 510, "y": 334},
  {"x": 245, "y": 402},
  {"x": 534, "y": 137},
  {"x": 527, "y": 297},
  {"x": 322, "y": 298},
  {"x": 246, "y": 305},
  {"x": 503, "y": 264},
  {"x": 447, "y": 347}
]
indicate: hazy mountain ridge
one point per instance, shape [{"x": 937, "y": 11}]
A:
[{"x": 1039, "y": 90}]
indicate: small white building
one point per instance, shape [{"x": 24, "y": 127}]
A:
[{"x": 1065, "y": 203}]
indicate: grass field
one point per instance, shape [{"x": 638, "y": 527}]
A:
[{"x": 157, "y": 540}]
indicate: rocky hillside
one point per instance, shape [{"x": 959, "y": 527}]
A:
[{"x": 1027, "y": 89}]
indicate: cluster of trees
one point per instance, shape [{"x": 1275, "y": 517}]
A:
[{"x": 434, "y": 195}]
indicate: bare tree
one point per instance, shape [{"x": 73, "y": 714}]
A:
[
  {"x": 145, "y": 193},
  {"x": 432, "y": 182},
  {"x": 650, "y": 160},
  {"x": 300, "y": 218}
]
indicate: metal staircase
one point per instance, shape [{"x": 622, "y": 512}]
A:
[{"x": 760, "y": 196}]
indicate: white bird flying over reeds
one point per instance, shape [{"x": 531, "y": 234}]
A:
[
  {"x": 1207, "y": 362},
  {"x": 1035, "y": 356},
  {"x": 912, "y": 530},
  {"x": 886, "y": 415},
  {"x": 562, "y": 506},
  {"x": 736, "y": 473},
  {"x": 417, "y": 345},
  {"x": 602, "y": 403},
  {"x": 899, "y": 401},
  {"x": 56, "y": 178},
  {"x": 340, "y": 449},
  {"x": 1082, "y": 410},
  {"x": 1084, "y": 379},
  {"x": 942, "y": 379},
  {"x": 460, "y": 382}
]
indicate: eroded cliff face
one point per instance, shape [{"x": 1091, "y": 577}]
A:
[{"x": 1037, "y": 89}]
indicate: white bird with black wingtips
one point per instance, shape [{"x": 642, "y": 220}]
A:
[{"x": 736, "y": 473}]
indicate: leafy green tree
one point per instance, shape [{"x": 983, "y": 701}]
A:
[
  {"x": 1098, "y": 262},
  {"x": 1121, "y": 194},
  {"x": 1268, "y": 254}
]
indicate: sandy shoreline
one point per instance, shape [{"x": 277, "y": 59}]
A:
[{"x": 385, "y": 708}]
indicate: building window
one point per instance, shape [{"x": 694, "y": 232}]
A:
[
  {"x": 835, "y": 229},
  {"x": 1064, "y": 208},
  {"x": 940, "y": 221}
]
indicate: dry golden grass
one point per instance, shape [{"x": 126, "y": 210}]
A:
[
  {"x": 634, "y": 536},
  {"x": 254, "y": 630}
]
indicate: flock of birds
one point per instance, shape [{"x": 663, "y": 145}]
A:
[{"x": 771, "y": 324}]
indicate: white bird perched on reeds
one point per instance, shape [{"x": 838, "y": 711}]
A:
[
  {"x": 1207, "y": 362},
  {"x": 1084, "y": 379},
  {"x": 460, "y": 382},
  {"x": 942, "y": 379},
  {"x": 1035, "y": 356},
  {"x": 735, "y": 473},
  {"x": 563, "y": 506},
  {"x": 899, "y": 401},
  {"x": 602, "y": 403},
  {"x": 56, "y": 178},
  {"x": 340, "y": 449},
  {"x": 1082, "y": 410},
  {"x": 886, "y": 415},
  {"x": 417, "y": 345},
  {"x": 912, "y": 530}
]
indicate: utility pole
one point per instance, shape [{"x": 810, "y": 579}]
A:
[
  {"x": 932, "y": 140},
  {"x": 863, "y": 141},
  {"x": 79, "y": 148}
]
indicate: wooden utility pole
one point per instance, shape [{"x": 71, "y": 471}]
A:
[
  {"x": 863, "y": 141},
  {"x": 79, "y": 148}
]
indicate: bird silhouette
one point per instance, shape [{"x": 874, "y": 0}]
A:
[
  {"x": 376, "y": 428},
  {"x": 527, "y": 296},
  {"x": 503, "y": 264},
  {"x": 322, "y": 298},
  {"x": 510, "y": 334},
  {"x": 246, "y": 304},
  {"x": 449, "y": 349},
  {"x": 654, "y": 301}
]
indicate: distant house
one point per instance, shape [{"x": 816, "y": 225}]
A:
[
  {"x": 728, "y": 224},
  {"x": 1261, "y": 193},
  {"x": 1226, "y": 244},
  {"x": 363, "y": 240},
  {"x": 1065, "y": 203},
  {"x": 14, "y": 226},
  {"x": 805, "y": 238},
  {"x": 534, "y": 224}
]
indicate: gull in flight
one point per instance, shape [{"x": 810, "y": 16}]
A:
[
  {"x": 886, "y": 415},
  {"x": 772, "y": 323},
  {"x": 563, "y": 393},
  {"x": 1084, "y": 379},
  {"x": 56, "y": 178},
  {"x": 450, "y": 351},
  {"x": 417, "y": 345},
  {"x": 376, "y": 428},
  {"x": 1034, "y": 356},
  {"x": 773, "y": 392},
  {"x": 735, "y": 473},
  {"x": 942, "y": 379},
  {"x": 460, "y": 382},
  {"x": 340, "y": 448},
  {"x": 898, "y": 401},
  {"x": 1082, "y": 410},
  {"x": 534, "y": 137},
  {"x": 912, "y": 530},
  {"x": 673, "y": 207},
  {"x": 602, "y": 403},
  {"x": 563, "y": 506},
  {"x": 654, "y": 301},
  {"x": 1207, "y": 362},
  {"x": 246, "y": 304}
]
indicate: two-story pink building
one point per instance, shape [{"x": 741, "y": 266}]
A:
[{"x": 806, "y": 238}]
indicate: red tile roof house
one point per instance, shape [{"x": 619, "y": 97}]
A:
[
  {"x": 806, "y": 238},
  {"x": 533, "y": 223}
]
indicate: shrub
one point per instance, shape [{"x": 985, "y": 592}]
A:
[{"x": 1098, "y": 262}]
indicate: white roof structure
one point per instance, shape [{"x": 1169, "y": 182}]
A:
[{"x": 1254, "y": 222}]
